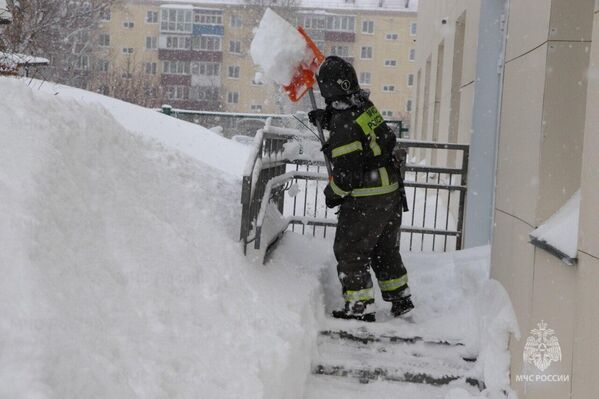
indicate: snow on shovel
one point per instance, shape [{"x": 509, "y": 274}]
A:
[{"x": 288, "y": 57}]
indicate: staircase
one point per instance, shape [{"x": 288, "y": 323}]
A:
[{"x": 359, "y": 362}]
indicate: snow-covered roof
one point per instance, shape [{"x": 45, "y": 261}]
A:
[
  {"x": 5, "y": 16},
  {"x": 559, "y": 234},
  {"x": 393, "y": 5},
  {"x": 13, "y": 60}
]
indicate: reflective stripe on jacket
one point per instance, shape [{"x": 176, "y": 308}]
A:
[{"x": 361, "y": 146}]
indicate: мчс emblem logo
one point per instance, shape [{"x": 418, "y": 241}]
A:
[
  {"x": 345, "y": 85},
  {"x": 542, "y": 347}
]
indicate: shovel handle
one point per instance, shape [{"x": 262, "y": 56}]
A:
[{"x": 320, "y": 133}]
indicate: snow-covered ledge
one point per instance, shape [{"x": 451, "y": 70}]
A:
[{"x": 559, "y": 234}]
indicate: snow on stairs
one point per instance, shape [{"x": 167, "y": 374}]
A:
[{"x": 363, "y": 356}]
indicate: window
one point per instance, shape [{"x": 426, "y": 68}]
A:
[
  {"x": 391, "y": 36},
  {"x": 388, "y": 88},
  {"x": 207, "y": 43},
  {"x": 368, "y": 27},
  {"x": 341, "y": 51},
  {"x": 364, "y": 78},
  {"x": 390, "y": 63},
  {"x": 409, "y": 106},
  {"x": 386, "y": 113},
  {"x": 151, "y": 43},
  {"x": 205, "y": 69},
  {"x": 208, "y": 17},
  {"x": 104, "y": 40},
  {"x": 366, "y": 53},
  {"x": 256, "y": 108},
  {"x": 233, "y": 97},
  {"x": 126, "y": 75},
  {"x": 175, "y": 20},
  {"x": 236, "y": 21},
  {"x": 150, "y": 68},
  {"x": 128, "y": 24},
  {"x": 82, "y": 62},
  {"x": 413, "y": 29},
  {"x": 412, "y": 55},
  {"x": 235, "y": 47},
  {"x": 206, "y": 93},
  {"x": 152, "y": 17},
  {"x": 178, "y": 42},
  {"x": 175, "y": 67},
  {"x": 410, "y": 80},
  {"x": 177, "y": 92},
  {"x": 105, "y": 14},
  {"x": 128, "y": 50},
  {"x": 103, "y": 65},
  {"x": 314, "y": 22},
  {"x": 341, "y": 23},
  {"x": 233, "y": 72}
]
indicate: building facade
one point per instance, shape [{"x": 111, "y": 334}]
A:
[
  {"x": 195, "y": 55},
  {"x": 542, "y": 149}
]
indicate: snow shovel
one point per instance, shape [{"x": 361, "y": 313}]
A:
[{"x": 304, "y": 80}]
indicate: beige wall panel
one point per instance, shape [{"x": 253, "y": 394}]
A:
[
  {"x": 554, "y": 301},
  {"x": 586, "y": 351},
  {"x": 589, "y": 217},
  {"x": 563, "y": 125},
  {"x": 466, "y": 104},
  {"x": 470, "y": 40},
  {"x": 519, "y": 140},
  {"x": 528, "y": 26},
  {"x": 512, "y": 259},
  {"x": 571, "y": 20}
]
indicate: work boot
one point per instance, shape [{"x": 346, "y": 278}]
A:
[
  {"x": 359, "y": 310},
  {"x": 402, "y": 306}
]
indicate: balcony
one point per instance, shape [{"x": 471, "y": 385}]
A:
[
  {"x": 214, "y": 30},
  {"x": 172, "y": 80},
  {"x": 190, "y": 55},
  {"x": 336, "y": 36}
]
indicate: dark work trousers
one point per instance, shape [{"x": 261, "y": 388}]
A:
[{"x": 367, "y": 235}]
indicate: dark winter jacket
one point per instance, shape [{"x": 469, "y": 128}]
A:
[{"x": 360, "y": 148}]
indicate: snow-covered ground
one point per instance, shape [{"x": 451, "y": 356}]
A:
[{"x": 122, "y": 275}]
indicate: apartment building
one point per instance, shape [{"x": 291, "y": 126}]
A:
[
  {"x": 195, "y": 54},
  {"x": 518, "y": 81}
]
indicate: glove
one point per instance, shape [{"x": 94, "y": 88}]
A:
[
  {"x": 331, "y": 199},
  {"x": 326, "y": 150},
  {"x": 321, "y": 116}
]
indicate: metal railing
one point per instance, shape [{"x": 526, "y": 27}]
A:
[
  {"x": 246, "y": 124},
  {"x": 282, "y": 191}
]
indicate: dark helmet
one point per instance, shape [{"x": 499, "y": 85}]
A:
[{"x": 337, "y": 78}]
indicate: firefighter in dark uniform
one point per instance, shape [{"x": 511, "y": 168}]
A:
[{"x": 367, "y": 186}]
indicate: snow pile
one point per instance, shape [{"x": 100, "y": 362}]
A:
[
  {"x": 560, "y": 231},
  {"x": 278, "y": 48},
  {"x": 191, "y": 139},
  {"x": 122, "y": 275}
]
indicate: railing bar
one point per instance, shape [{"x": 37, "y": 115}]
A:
[
  {"x": 305, "y": 200},
  {"x": 295, "y": 199},
  {"x": 415, "y": 192},
  {"x": 315, "y": 202},
  {"x": 436, "y": 211},
  {"x": 424, "y": 214},
  {"x": 448, "y": 210}
]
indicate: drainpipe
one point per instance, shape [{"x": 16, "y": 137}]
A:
[{"x": 490, "y": 59}]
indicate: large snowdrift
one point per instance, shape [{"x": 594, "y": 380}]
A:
[
  {"x": 189, "y": 138},
  {"x": 121, "y": 272}
]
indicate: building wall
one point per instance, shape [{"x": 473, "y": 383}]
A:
[
  {"x": 539, "y": 169},
  {"x": 548, "y": 145},
  {"x": 446, "y": 63},
  {"x": 586, "y": 350},
  {"x": 243, "y": 94}
]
